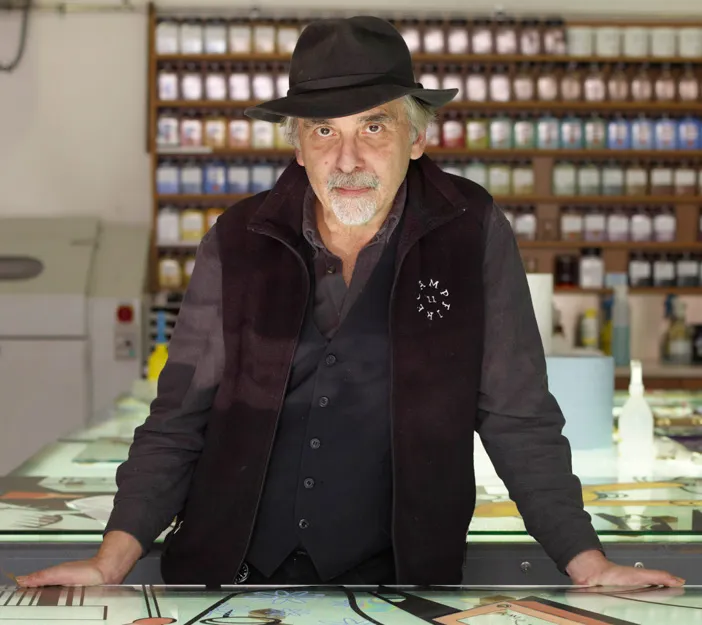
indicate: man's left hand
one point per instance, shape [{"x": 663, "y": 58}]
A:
[{"x": 591, "y": 568}]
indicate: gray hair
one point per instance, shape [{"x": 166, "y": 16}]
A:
[{"x": 420, "y": 115}]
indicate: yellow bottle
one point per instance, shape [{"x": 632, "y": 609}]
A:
[{"x": 159, "y": 356}]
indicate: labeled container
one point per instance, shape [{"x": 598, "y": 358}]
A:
[
  {"x": 664, "y": 225},
  {"x": 618, "y": 225},
  {"x": 592, "y": 270},
  {"x": 640, "y": 271},
  {"x": 612, "y": 179},
  {"x": 581, "y": 41},
  {"x": 572, "y": 133},
  {"x": 499, "y": 179},
  {"x": 589, "y": 180},
  {"x": 641, "y": 225},
  {"x": 642, "y": 134},
  {"x": 594, "y": 225},
  {"x": 548, "y": 133},
  {"x": 524, "y": 133},
  {"x": 619, "y": 134},
  {"x": 564, "y": 179},
  {"x": 595, "y": 130},
  {"x": 636, "y": 41},
  {"x": 572, "y": 226},
  {"x": 689, "y": 135}
]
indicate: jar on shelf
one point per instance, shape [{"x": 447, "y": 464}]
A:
[
  {"x": 685, "y": 180},
  {"x": 530, "y": 41},
  {"x": 168, "y": 130},
  {"x": 666, "y": 134},
  {"x": 687, "y": 270},
  {"x": 618, "y": 84},
  {"x": 572, "y": 133},
  {"x": 548, "y": 132},
  {"x": 612, "y": 179},
  {"x": 636, "y": 180},
  {"x": 191, "y": 130},
  {"x": 564, "y": 179},
  {"x": 192, "y": 83},
  {"x": 566, "y": 271},
  {"x": 239, "y": 133},
  {"x": 240, "y": 37},
  {"x": 524, "y": 132},
  {"x": 594, "y": 87},
  {"x": 501, "y": 133},
  {"x": 476, "y": 84},
  {"x": 524, "y": 85},
  {"x": 282, "y": 80},
  {"x": 410, "y": 31},
  {"x": 642, "y": 85},
  {"x": 689, "y": 85},
  {"x": 580, "y": 41},
  {"x": 262, "y": 135},
  {"x": 661, "y": 179},
  {"x": 191, "y": 178},
  {"x": 595, "y": 130},
  {"x": 211, "y": 216},
  {"x": 192, "y": 225},
  {"x": 482, "y": 40},
  {"x": 640, "y": 271},
  {"x": 457, "y": 39},
  {"x": 434, "y": 134},
  {"x": 664, "y": 85},
  {"x": 430, "y": 77},
  {"x": 168, "y": 84},
  {"x": 523, "y": 179},
  {"x": 287, "y": 35},
  {"x": 239, "y": 84},
  {"x": 689, "y": 135},
  {"x": 525, "y": 225},
  {"x": 238, "y": 178},
  {"x": 506, "y": 36},
  {"x": 618, "y": 225},
  {"x": 636, "y": 41},
  {"x": 453, "y": 79},
  {"x": 167, "y": 37},
  {"x": 663, "y": 271},
  {"x": 216, "y": 83},
  {"x": 571, "y": 84},
  {"x": 191, "y": 36},
  {"x": 477, "y": 172},
  {"x": 641, "y": 225},
  {"x": 434, "y": 39},
  {"x": 215, "y": 130},
  {"x": 264, "y": 36},
  {"x": 554, "y": 37},
  {"x": 262, "y": 83},
  {"x": 168, "y": 226},
  {"x": 499, "y": 179},
  {"x": 592, "y": 269},
  {"x": 500, "y": 85},
  {"x": 547, "y": 84},
  {"x": 664, "y": 42},
  {"x": 215, "y": 34},
  {"x": 619, "y": 134},
  {"x": 589, "y": 179},
  {"x": 170, "y": 273},
  {"x": 664, "y": 225},
  {"x": 453, "y": 131},
  {"x": 572, "y": 226},
  {"x": 642, "y": 133},
  {"x": 594, "y": 224},
  {"x": 477, "y": 136},
  {"x": 608, "y": 41},
  {"x": 690, "y": 42}
]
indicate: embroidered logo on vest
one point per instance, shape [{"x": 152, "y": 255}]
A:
[{"x": 432, "y": 301}]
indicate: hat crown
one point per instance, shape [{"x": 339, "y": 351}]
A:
[{"x": 361, "y": 46}]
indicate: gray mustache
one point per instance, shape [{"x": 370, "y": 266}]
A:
[{"x": 357, "y": 180}]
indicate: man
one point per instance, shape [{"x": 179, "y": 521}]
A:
[{"x": 342, "y": 337}]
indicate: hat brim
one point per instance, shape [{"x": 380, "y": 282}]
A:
[{"x": 332, "y": 103}]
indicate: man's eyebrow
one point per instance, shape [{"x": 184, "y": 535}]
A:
[
  {"x": 309, "y": 122},
  {"x": 378, "y": 118}
]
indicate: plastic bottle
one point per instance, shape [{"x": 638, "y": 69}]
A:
[
  {"x": 588, "y": 329},
  {"x": 159, "y": 356},
  {"x": 620, "y": 326},
  {"x": 636, "y": 419}
]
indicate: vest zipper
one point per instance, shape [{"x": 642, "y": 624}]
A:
[
  {"x": 398, "y": 269},
  {"x": 282, "y": 399}
]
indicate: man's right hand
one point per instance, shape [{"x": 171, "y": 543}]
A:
[{"x": 115, "y": 559}]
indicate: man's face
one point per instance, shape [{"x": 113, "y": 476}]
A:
[{"x": 356, "y": 164}]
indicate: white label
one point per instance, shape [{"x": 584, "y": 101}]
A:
[
  {"x": 636, "y": 41},
  {"x": 191, "y": 39},
  {"x": 411, "y": 37},
  {"x": 641, "y": 133},
  {"x": 523, "y": 180},
  {"x": 191, "y": 132},
  {"x": 239, "y": 133},
  {"x": 476, "y": 173},
  {"x": 580, "y": 41},
  {"x": 287, "y": 39},
  {"x": 592, "y": 277},
  {"x": 167, "y": 38},
  {"x": 572, "y": 134},
  {"x": 433, "y": 41},
  {"x": 613, "y": 178},
  {"x": 641, "y": 228},
  {"x": 636, "y": 178},
  {"x": 664, "y": 227},
  {"x": 476, "y": 88},
  {"x": 453, "y": 129},
  {"x": 169, "y": 273},
  {"x": 564, "y": 178},
  {"x": 262, "y": 176},
  {"x": 506, "y": 42},
  {"x": 264, "y": 39},
  {"x": 571, "y": 223},
  {"x": 499, "y": 179},
  {"x": 689, "y": 89},
  {"x": 215, "y": 39},
  {"x": 458, "y": 41},
  {"x": 191, "y": 177},
  {"x": 482, "y": 41},
  {"x": 523, "y": 88},
  {"x": 476, "y": 131},
  {"x": 689, "y": 134},
  {"x": 548, "y": 134},
  {"x": 216, "y": 87},
  {"x": 685, "y": 178},
  {"x": 239, "y": 87},
  {"x": 192, "y": 86},
  {"x": 589, "y": 181},
  {"x": 192, "y": 225},
  {"x": 688, "y": 268},
  {"x": 641, "y": 89},
  {"x": 523, "y": 133},
  {"x": 499, "y": 88},
  {"x": 595, "y": 133},
  {"x": 282, "y": 84},
  {"x": 240, "y": 39},
  {"x": 500, "y": 134},
  {"x": 217, "y": 178},
  {"x": 530, "y": 40},
  {"x": 263, "y": 87},
  {"x": 167, "y": 86},
  {"x": 608, "y": 41},
  {"x": 547, "y": 88},
  {"x": 167, "y": 179},
  {"x": 216, "y": 133},
  {"x": 595, "y": 224},
  {"x": 663, "y": 42},
  {"x": 525, "y": 225},
  {"x": 167, "y": 134},
  {"x": 662, "y": 177},
  {"x": 454, "y": 81}
]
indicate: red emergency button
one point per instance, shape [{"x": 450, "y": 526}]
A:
[{"x": 125, "y": 314}]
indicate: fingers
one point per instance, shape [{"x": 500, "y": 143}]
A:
[
  {"x": 661, "y": 578},
  {"x": 54, "y": 576}
]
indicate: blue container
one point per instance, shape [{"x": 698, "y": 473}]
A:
[
  {"x": 666, "y": 134},
  {"x": 619, "y": 134},
  {"x": 191, "y": 179},
  {"x": 642, "y": 134},
  {"x": 215, "y": 178},
  {"x": 572, "y": 134},
  {"x": 689, "y": 131},
  {"x": 238, "y": 179},
  {"x": 262, "y": 178},
  {"x": 168, "y": 179}
]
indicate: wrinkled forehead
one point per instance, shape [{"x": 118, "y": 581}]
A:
[{"x": 390, "y": 113}]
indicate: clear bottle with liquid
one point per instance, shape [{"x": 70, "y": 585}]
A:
[{"x": 620, "y": 326}]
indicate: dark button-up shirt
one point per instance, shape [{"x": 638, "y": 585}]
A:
[{"x": 519, "y": 421}]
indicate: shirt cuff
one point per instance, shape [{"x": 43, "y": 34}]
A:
[{"x": 136, "y": 519}]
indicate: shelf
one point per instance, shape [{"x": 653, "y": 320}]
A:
[
  {"x": 433, "y": 58},
  {"x": 616, "y": 245},
  {"x": 673, "y": 290},
  {"x": 663, "y": 108},
  {"x": 438, "y": 152},
  {"x": 599, "y": 199},
  {"x": 655, "y": 369}
]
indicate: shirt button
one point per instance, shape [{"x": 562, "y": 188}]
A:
[
  {"x": 303, "y": 524},
  {"x": 309, "y": 483},
  {"x": 315, "y": 443},
  {"x": 323, "y": 402},
  {"x": 330, "y": 360},
  {"x": 331, "y": 269}
]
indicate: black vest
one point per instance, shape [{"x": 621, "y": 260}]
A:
[{"x": 329, "y": 483}]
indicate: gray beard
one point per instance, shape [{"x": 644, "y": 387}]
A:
[{"x": 353, "y": 211}]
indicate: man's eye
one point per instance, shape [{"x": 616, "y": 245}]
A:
[
  {"x": 323, "y": 131},
  {"x": 374, "y": 129}
]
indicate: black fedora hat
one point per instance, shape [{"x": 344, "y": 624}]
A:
[{"x": 345, "y": 66}]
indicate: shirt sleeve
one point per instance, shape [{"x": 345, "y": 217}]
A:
[
  {"x": 519, "y": 420},
  {"x": 154, "y": 480}
]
